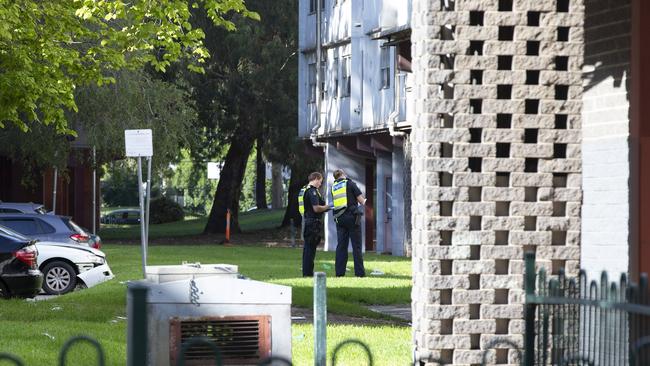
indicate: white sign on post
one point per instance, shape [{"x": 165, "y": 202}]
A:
[
  {"x": 138, "y": 143},
  {"x": 213, "y": 170}
]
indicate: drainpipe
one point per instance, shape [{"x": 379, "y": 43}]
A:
[{"x": 314, "y": 131}]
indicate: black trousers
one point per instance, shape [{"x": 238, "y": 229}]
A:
[
  {"x": 348, "y": 230},
  {"x": 312, "y": 235}
]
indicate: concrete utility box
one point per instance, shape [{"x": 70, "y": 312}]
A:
[
  {"x": 162, "y": 274},
  {"x": 247, "y": 320}
]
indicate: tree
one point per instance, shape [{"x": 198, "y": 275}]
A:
[
  {"x": 243, "y": 93},
  {"x": 50, "y": 48},
  {"x": 277, "y": 186},
  {"x": 134, "y": 101}
]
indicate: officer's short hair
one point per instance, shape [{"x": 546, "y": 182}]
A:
[
  {"x": 315, "y": 176},
  {"x": 338, "y": 173}
]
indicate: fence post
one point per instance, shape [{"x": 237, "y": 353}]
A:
[
  {"x": 320, "y": 319},
  {"x": 529, "y": 335},
  {"x": 137, "y": 343}
]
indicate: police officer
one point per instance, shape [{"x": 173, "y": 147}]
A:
[
  {"x": 348, "y": 207},
  {"x": 311, "y": 205}
]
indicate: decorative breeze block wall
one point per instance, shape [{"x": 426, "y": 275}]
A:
[{"x": 496, "y": 166}]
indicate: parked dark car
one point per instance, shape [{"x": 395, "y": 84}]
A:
[
  {"x": 126, "y": 216},
  {"x": 50, "y": 228},
  {"x": 19, "y": 274}
]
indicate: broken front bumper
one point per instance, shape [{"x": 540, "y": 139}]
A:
[{"x": 96, "y": 275}]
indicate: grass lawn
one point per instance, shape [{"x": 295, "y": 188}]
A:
[
  {"x": 192, "y": 225},
  {"x": 37, "y": 330}
]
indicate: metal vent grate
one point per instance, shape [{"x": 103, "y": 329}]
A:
[{"x": 240, "y": 339}]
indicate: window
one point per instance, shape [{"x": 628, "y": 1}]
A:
[
  {"x": 312, "y": 5},
  {"x": 384, "y": 68},
  {"x": 9, "y": 210},
  {"x": 74, "y": 227},
  {"x": 23, "y": 226},
  {"x": 347, "y": 79},
  {"x": 45, "y": 227},
  {"x": 312, "y": 83}
]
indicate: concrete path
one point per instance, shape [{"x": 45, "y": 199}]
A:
[{"x": 398, "y": 311}]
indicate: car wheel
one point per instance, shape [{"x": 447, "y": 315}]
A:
[{"x": 58, "y": 278}]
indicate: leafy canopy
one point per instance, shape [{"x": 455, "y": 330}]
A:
[{"x": 49, "y": 48}]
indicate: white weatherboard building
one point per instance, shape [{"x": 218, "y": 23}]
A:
[{"x": 362, "y": 86}]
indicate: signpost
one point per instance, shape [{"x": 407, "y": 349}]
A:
[{"x": 139, "y": 144}]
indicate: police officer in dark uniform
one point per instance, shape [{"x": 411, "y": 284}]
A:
[
  {"x": 348, "y": 202},
  {"x": 311, "y": 205}
]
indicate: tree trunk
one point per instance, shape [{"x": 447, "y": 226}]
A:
[
  {"x": 277, "y": 189},
  {"x": 292, "y": 213},
  {"x": 230, "y": 184},
  {"x": 260, "y": 176}
]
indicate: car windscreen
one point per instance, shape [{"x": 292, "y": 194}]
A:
[{"x": 73, "y": 226}]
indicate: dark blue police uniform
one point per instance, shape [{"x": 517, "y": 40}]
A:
[
  {"x": 312, "y": 232},
  {"x": 348, "y": 228}
]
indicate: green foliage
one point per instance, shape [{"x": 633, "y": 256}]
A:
[
  {"x": 247, "y": 197},
  {"x": 120, "y": 188},
  {"x": 252, "y": 86},
  {"x": 136, "y": 101},
  {"x": 163, "y": 210},
  {"x": 189, "y": 179},
  {"x": 50, "y": 48},
  {"x": 120, "y": 184}
]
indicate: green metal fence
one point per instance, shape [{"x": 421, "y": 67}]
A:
[{"x": 570, "y": 321}]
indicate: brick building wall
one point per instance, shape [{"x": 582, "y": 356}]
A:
[
  {"x": 606, "y": 137},
  {"x": 496, "y": 166}
]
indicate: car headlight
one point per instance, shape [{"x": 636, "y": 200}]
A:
[
  {"x": 83, "y": 267},
  {"x": 95, "y": 259}
]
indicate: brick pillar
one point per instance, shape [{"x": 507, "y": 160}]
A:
[{"x": 496, "y": 166}]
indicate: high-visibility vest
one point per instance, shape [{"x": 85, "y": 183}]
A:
[
  {"x": 340, "y": 197},
  {"x": 301, "y": 198}
]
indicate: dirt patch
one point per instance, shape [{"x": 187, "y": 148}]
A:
[{"x": 302, "y": 315}]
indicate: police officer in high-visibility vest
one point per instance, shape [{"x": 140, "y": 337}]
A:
[
  {"x": 348, "y": 204},
  {"x": 311, "y": 206}
]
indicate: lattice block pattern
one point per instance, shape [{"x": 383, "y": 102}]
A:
[{"x": 498, "y": 171}]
